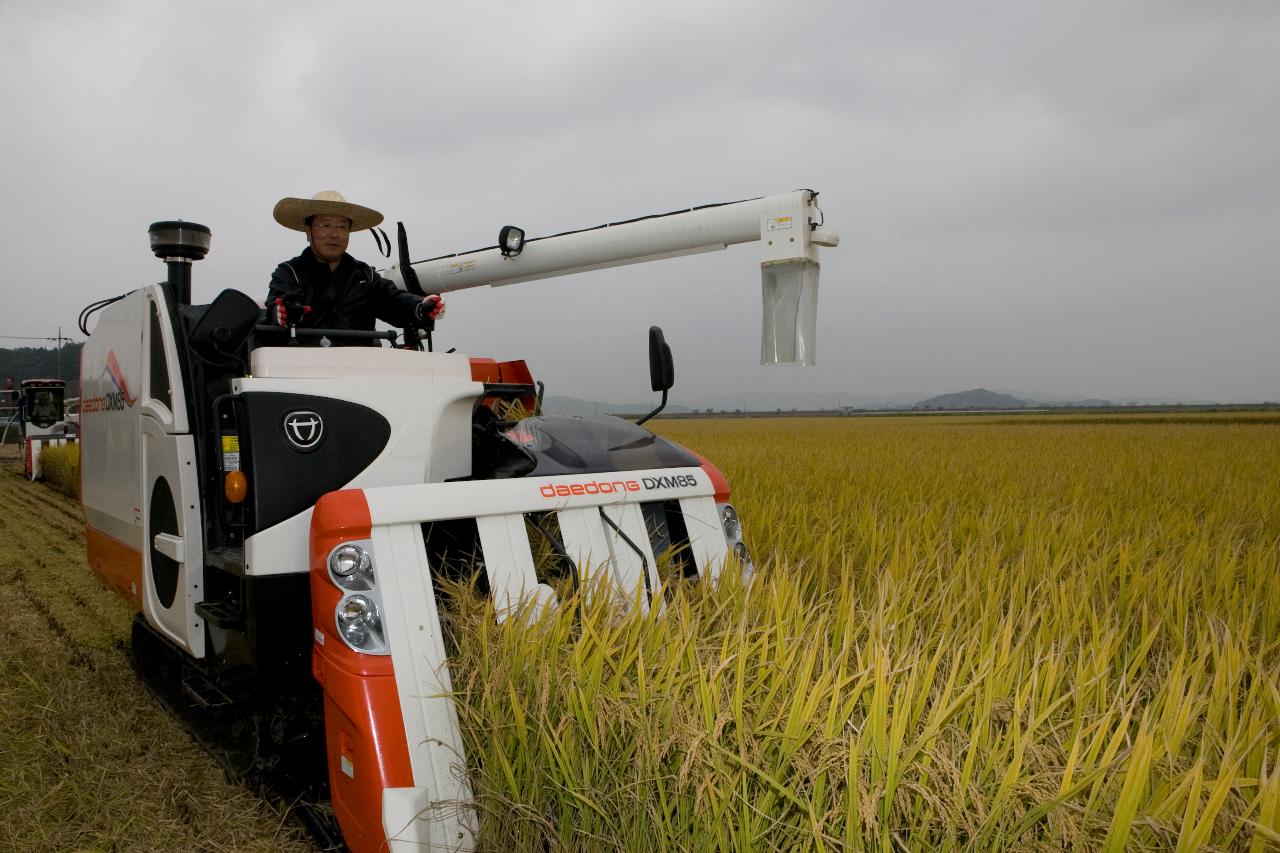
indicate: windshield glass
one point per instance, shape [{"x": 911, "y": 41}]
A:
[{"x": 44, "y": 406}]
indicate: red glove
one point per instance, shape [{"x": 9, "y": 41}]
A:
[
  {"x": 431, "y": 308},
  {"x": 288, "y": 313}
]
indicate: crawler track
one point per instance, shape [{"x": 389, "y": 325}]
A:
[{"x": 274, "y": 748}]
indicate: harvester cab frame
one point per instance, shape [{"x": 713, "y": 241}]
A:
[
  {"x": 283, "y": 517},
  {"x": 42, "y": 421}
]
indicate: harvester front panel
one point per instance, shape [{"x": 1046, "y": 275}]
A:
[{"x": 403, "y": 653}]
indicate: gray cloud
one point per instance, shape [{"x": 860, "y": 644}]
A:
[{"x": 1077, "y": 199}]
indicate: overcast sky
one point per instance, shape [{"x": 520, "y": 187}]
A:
[{"x": 1078, "y": 200}]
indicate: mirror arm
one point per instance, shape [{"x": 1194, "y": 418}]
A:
[{"x": 661, "y": 406}]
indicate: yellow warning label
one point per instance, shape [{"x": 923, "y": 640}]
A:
[
  {"x": 779, "y": 223},
  {"x": 231, "y": 444}
]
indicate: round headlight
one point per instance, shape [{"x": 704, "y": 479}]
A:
[
  {"x": 357, "y": 610},
  {"x": 356, "y": 635},
  {"x": 357, "y": 617},
  {"x": 729, "y": 520},
  {"x": 347, "y": 560}
]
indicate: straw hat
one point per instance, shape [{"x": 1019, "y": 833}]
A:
[{"x": 293, "y": 212}]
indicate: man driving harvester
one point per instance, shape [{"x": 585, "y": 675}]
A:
[{"x": 324, "y": 287}]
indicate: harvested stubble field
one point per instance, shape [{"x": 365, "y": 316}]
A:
[
  {"x": 89, "y": 760},
  {"x": 963, "y": 633}
]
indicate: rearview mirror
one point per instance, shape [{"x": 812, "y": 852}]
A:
[{"x": 662, "y": 371}]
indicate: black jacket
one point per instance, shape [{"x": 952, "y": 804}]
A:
[{"x": 350, "y": 297}]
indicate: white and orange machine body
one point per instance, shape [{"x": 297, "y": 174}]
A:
[
  {"x": 283, "y": 516},
  {"x": 44, "y": 421}
]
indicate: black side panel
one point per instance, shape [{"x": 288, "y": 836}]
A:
[
  {"x": 271, "y": 651},
  {"x": 332, "y": 441},
  {"x": 206, "y": 381},
  {"x": 280, "y": 630},
  {"x": 163, "y": 517},
  {"x": 159, "y": 365}
]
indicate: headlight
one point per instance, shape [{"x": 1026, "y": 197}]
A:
[
  {"x": 729, "y": 520},
  {"x": 346, "y": 560},
  {"x": 351, "y": 566},
  {"x": 358, "y": 623},
  {"x": 733, "y": 536}
]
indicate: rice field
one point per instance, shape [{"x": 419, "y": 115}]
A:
[{"x": 962, "y": 633}]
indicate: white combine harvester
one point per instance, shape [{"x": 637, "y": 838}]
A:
[{"x": 281, "y": 516}]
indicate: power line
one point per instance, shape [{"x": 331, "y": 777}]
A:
[
  {"x": 36, "y": 338},
  {"x": 61, "y": 338}
]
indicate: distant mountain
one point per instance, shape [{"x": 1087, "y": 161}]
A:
[
  {"x": 1059, "y": 400},
  {"x": 978, "y": 398},
  {"x": 769, "y": 401}
]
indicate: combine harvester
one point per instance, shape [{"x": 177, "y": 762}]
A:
[
  {"x": 43, "y": 421},
  {"x": 281, "y": 516}
]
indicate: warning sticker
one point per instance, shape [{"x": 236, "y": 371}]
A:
[
  {"x": 459, "y": 266},
  {"x": 348, "y": 767},
  {"x": 780, "y": 223},
  {"x": 231, "y": 452}
]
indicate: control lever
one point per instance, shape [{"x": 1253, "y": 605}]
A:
[{"x": 410, "y": 276}]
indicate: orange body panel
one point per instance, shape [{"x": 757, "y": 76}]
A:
[
  {"x": 515, "y": 371},
  {"x": 508, "y": 372},
  {"x": 116, "y": 564},
  {"x": 718, "y": 480},
  {"x": 364, "y": 731},
  {"x": 485, "y": 370}
]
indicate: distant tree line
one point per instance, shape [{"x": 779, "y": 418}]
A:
[{"x": 40, "y": 363}]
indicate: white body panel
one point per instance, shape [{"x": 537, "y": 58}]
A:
[
  {"x": 53, "y": 431},
  {"x": 132, "y": 434},
  {"x": 110, "y": 425},
  {"x": 426, "y": 397},
  {"x": 596, "y": 547},
  {"x": 592, "y": 543},
  {"x": 173, "y": 458},
  {"x": 506, "y": 543},
  {"x": 435, "y": 812}
]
